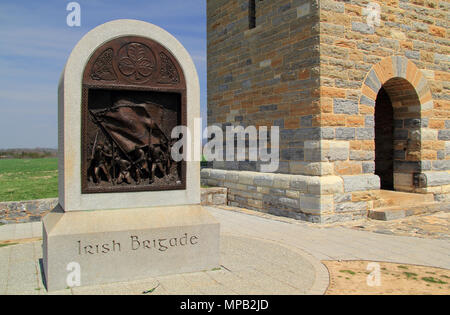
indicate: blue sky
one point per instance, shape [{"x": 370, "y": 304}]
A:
[{"x": 35, "y": 43}]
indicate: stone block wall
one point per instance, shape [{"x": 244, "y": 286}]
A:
[
  {"x": 267, "y": 75},
  {"x": 318, "y": 199},
  {"x": 409, "y": 55},
  {"x": 315, "y": 68}
]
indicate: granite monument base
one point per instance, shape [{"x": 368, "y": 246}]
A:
[{"x": 94, "y": 247}]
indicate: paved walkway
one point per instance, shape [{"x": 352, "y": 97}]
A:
[
  {"x": 259, "y": 255},
  {"x": 337, "y": 243},
  {"x": 20, "y": 231},
  {"x": 248, "y": 266},
  {"x": 436, "y": 226}
]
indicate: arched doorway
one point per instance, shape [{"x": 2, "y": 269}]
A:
[
  {"x": 401, "y": 100},
  {"x": 384, "y": 140},
  {"x": 397, "y": 134}
]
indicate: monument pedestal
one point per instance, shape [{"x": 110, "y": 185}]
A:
[{"x": 105, "y": 246}]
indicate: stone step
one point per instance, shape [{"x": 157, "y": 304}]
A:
[
  {"x": 388, "y": 199},
  {"x": 398, "y": 212}
]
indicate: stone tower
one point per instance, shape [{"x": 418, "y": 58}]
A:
[{"x": 359, "y": 89}]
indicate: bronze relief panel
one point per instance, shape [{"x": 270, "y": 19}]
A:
[{"x": 134, "y": 94}]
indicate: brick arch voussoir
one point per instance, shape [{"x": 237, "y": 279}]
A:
[{"x": 395, "y": 67}]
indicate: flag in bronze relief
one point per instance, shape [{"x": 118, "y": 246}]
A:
[
  {"x": 130, "y": 126},
  {"x": 135, "y": 148}
]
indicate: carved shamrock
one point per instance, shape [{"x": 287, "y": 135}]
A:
[{"x": 136, "y": 62}]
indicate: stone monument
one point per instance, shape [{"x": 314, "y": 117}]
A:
[{"x": 126, "y": 209}]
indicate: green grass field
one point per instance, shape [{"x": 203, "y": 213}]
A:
[{"x": 27, "y": 179}]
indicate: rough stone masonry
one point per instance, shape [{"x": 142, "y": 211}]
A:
[{"x": 318, "y": 70}]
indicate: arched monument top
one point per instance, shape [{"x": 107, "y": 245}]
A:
[{"x": 154, "y": 46}]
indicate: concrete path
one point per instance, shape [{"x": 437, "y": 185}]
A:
[
  {"x": 337, "y": 243},
  {"x": 20, "y": 231},
  {"x": 258, "y": 256},
  {"x": 248, "y": 266}
]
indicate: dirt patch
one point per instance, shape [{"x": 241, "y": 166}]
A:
[{"x": 351, "y": 277}]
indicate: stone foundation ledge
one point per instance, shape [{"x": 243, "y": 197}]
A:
[
  {"x": 320, "y": 185},
  {"x": 438, "y": 184},
  {"x": 435, "y": 182},
  {"x": 437, "y": 178},
  {"x": 319, "y": 199}
]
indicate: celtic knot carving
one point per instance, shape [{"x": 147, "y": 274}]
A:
[
  {"x": 103, "y": 67},
  {"x": 169, "y": 73}
]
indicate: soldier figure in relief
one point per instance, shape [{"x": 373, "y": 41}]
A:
[
  {"x": 141, "y": 163},
  {"x": 158, "y": 160},
  {"x": 124, "y": 170},
  {"x": 101, "y": 162}
]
